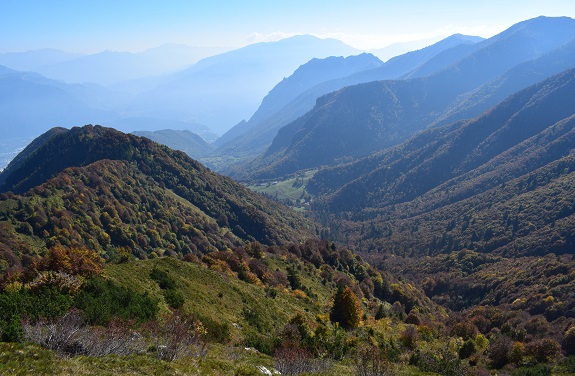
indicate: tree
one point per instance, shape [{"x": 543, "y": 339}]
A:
[
  {"x": 77, "y": 261},
  {"x": 346, "y": 309},
  {"x": 568, "y": 343}
]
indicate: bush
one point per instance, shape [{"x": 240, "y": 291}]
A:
[
  {"x": 174, "y": 298},
  {"x": 465, "y": 330},
  {"x": 75, "y": 261},
  {"x": 163, "y": 279},
  {"x": 293, "y": 360},
  {"x": 412, "y": 318},
  {"x": 101, "y": 300},
  {"x": 263, "y": 343},
  {"x": 61, "y": 334},
  {"x": 568, "y": 343},
  {"x": 369, "y": 361},
  {"x": 444, "y": 362},
  {"x": 177, "y": 335},
  {"x": 46, "y": 301},
  {"x": 409, "y": 337},
  {"x": 568, "y": 364},
  {"x": 467, "y": 349},
  {"x": 70, "y": 335},
  {"x": 216, "y": 331}
]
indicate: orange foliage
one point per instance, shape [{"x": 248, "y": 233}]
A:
[{"x": 75, "y": 261}]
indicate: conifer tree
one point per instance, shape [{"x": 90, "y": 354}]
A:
[{"x": 346, "y": 309}]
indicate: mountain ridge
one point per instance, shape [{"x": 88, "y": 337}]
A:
[
  {"x": 392, "y": 111},
  {"x": 256, "y": 137}
]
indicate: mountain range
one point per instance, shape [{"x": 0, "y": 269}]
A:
[
  {"x": 222, "y": 90},
  {"x": 107, "y": 67},
  {"x": 161, "y": 88},
  {"x": 284, "y": 104},
  {"x": 358, "y": 120},
  {"x": 31, "y": 103},
  {"x": 183, "y": 140}
]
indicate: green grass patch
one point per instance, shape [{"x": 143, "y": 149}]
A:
[{"x": 291, "y": 191}]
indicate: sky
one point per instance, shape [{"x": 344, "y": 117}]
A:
[{"x": 135, "y": 25}]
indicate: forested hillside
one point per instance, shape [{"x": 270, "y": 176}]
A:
[{"x": 151, "y": 167}]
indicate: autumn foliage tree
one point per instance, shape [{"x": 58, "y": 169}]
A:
[
  {"x": 77, "y": 261},
  {"x": 346, "y": 309}
]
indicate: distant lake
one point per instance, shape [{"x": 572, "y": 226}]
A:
[{"x": 10, "y": 147}]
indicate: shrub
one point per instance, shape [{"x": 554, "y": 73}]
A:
[
  {"x": 467, "y": 349},
  {"x": 61, "y": 334},
  {"x": 412, "y": 318},
  {"x": 568, "y": 364},
  {"x": 445, "y": 362},
  {"x": 465, "y": 330},
  {"x": 369, "y": 361},
  {"x": 174, "y": 298},
  {"x": 409, "y": 337},
  {"x": 75, "y": 261},
  {"x": 294, "y": 360},
  {"x": 163, "y": 279},
  {"x": 70, "y": 335},
  {"x": 177, "y": 335},
  {"x": 537, "y": 370},
  {"x": 517, "y": 353},
  {"x": 116, "y": 338},
  {"x": 381, "y": 312},
  {"x": 216, "y": 331},
  {"x": 101, "y": 300},
  {"x": 46, "y": 301}
]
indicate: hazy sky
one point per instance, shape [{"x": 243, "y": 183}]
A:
[{"x": 135, "y": 25}]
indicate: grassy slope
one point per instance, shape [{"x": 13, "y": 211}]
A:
[
  {"x": 209, "y": 293},
  {"x": 223, "y": 297}
]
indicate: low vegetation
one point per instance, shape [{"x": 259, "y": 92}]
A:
[{"x": 308, "y": 308}]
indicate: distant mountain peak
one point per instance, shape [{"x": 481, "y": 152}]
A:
[
  {"x": 559, "y": 26},
  {"x": 463, "y": 37}
]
